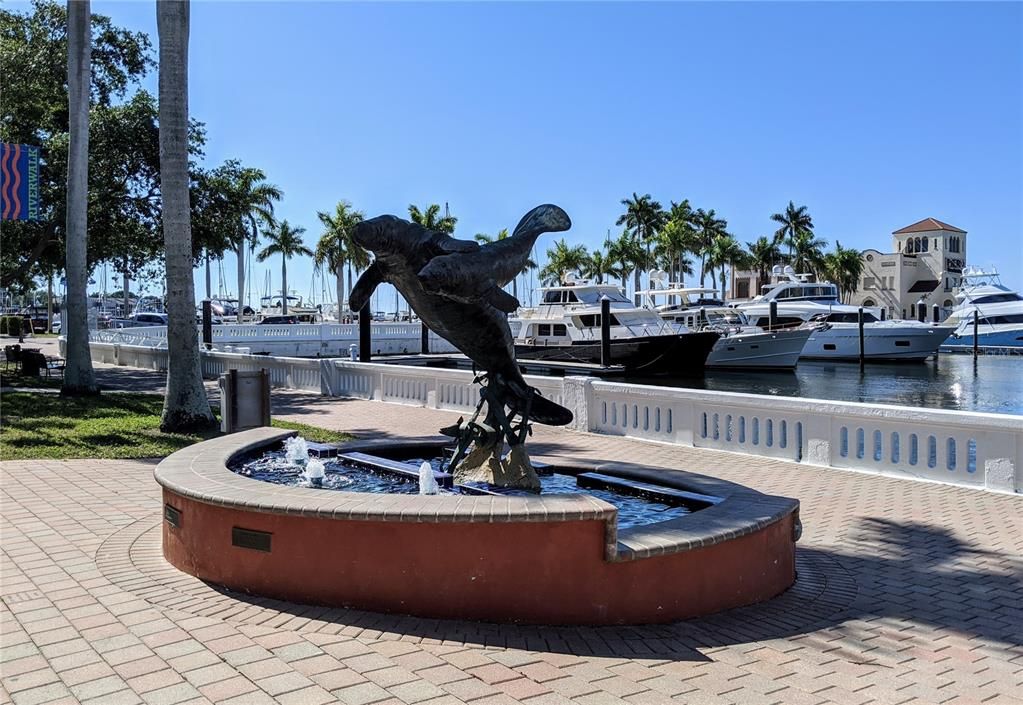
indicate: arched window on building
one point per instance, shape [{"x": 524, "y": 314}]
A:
[
  {"x": 900, "y": 245},
  {"x": 924, "y": 243},
  {"x": 909, "y": 246},
  {"x": 916, "y": 244}
]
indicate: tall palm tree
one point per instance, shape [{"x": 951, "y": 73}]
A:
[
  {"x": 844, "y": 267},
  {"x": 79, "y": 377},
  {"x": 286, "y": 241},
  {"x": 600, "y": 265},
  {"x": 807, "y": 252},
  {"x": 709, "y": 228},
  {"x": 725, "y": 251},
  {"x": 186, "y": 406},
  {"x": 431, "y": 219},
  {"x": 562, "y": 259},
  {"x": 763, "y": 255},
  {"x": 336, "y": 247},
  {"x": 794, "y": 221},
  {"x": 676, "y": 238},
  {"x": 254, "y": 199},
  {"x": 643, "y": 217},
  {"x": 627, "y": 255}
]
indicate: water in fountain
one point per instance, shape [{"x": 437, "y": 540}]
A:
[
  {"x": 427, "y": 481},
  {"x": 296, "y": 451},
  {"x": 314, "y": 472}
]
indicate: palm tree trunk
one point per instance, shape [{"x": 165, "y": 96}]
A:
[
  {"x": 49, "y": 303},
  {"x": 79, "y": 377},
  {"x": 340, "y": 289},
  {"x": 209, "y": 278},
  {"x": 241, "y": 277},
  {"x": 185, "y": 407},
  {"x": 284, "y": 285},
  {"x": 126, "y": 290}
]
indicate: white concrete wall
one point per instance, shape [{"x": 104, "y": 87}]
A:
[{"x": 979, "y": 450}]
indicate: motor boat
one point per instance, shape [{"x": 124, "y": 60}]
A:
[
  {"x": 272, "y": 306},
  {"x": 999, "y": 312},
  {"x": 798, "y": 301},
  {"x": 566, "y": 327},
  {"x": 741, "y": 345}
]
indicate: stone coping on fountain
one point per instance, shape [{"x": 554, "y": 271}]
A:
[{"x": 200, "y": 473}]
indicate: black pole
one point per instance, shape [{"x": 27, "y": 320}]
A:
[
  {"x": 882, "y": 313},
  {"x": 207, "y": 324},
  {"x": 424, "y": 337},
  {"x": 772, "y": 315},
  {"x": 859, "y": 325},
  {"x": 976, "y": 334},
  {"x": 365, "y": 334},
  {"x": 935, "y": 312},
  {"x": 921, "y": 311},
  {"x": 605, "y": 331}
]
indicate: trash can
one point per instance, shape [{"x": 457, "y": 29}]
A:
[{"x": 244, "y": 400}]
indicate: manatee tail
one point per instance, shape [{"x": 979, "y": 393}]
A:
[
  {"x": 547, "y": 218},
  {"x": 519, "y": 396}
]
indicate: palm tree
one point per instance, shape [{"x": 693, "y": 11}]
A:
[
  {"x": 186, "y": 406},
  {"x": 79, "y": 378},
  {"x": 709, "y": 228},
  {"x": 562, "y": 259},
  {"x": 336, "y": 247},
  {"x": 286, "y": 241},
  {"x": 643, "y": 217},
  {"x": 627, "y": 255},
  {"x": 431, "y": 219},
  {"x": 725, "y": 251},
  {"x": 254, "y": 199},
  {"x": 599, "y": 265},
  {"x": 763, "y": 255},
  {"x": 676, "y": 238},
  {"x": 807, "y": 252},
  {"x": 843, "y": 266},
  {"x": 794, "y": 221}
]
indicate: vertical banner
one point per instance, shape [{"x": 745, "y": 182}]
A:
[{"x": 19, "y": 182}]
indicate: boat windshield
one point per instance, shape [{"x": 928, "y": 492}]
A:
[
  {"x": 998, "y": 298},
  {"x": 588, "y": 295}
]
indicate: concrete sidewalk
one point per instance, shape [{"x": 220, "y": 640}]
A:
[{"x": 908, "y": 592}]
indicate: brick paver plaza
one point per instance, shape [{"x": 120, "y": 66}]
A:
[{"x": 907, "y": 592}]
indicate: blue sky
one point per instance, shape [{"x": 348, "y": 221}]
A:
[{"x": 872, "y": 115}]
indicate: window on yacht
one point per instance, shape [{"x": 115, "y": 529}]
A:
[
  {"x": 998, "y": 298},
  {"x": 1006, "y": 318},
  {"x": 850, "y": 317},
  {"x": 552, "y": 297},
  {"x": 592, "y": 320}
]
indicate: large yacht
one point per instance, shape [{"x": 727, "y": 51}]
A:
[
  {"x": 799, "y": 301},
  {"x": 999, "y": 313},
  {"x": 741, "y": 345},
  {"x": 297, "y": 310},
  {"x": 565, "y": 327}
]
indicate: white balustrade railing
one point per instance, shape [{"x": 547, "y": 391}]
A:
[{"x": 964, "y": 448}]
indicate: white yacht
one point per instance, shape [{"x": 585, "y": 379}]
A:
[
  {"x": 999, "y": 313},
  {"x": 799, "y": 301},
  {"x": 297, "y": 310},
  {"x": 741, "y": 345},
  {"x": 565, "y": 327}
]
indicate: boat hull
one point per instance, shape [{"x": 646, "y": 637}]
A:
[
  {"x": 778, "y": 350},
  {"x": 889, "y": 344},
  {"x": 650, "y": 354},
  {"x": 993, "y": 339}
]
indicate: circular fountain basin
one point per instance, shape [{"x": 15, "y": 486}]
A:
[{"x": 547, "y": 559}]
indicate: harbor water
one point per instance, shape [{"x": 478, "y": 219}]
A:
[{"x": 993, "y": 384}]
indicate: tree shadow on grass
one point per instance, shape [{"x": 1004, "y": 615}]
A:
[{"x": 903, "y": 574}]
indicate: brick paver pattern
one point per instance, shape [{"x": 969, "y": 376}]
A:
[{"x": 908, "y": 592}]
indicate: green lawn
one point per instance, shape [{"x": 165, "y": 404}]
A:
[
  {"x": 16, "y": 379},
  {"x": 111, "y": 425}
]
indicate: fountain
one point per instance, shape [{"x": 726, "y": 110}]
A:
[{"x": 566, "y": 542}]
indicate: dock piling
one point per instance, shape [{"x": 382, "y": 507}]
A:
[
  {"x": 859, "y": 325},
  {"x": 365, "y": 334},
  {"x": 605, "y": 332}
]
